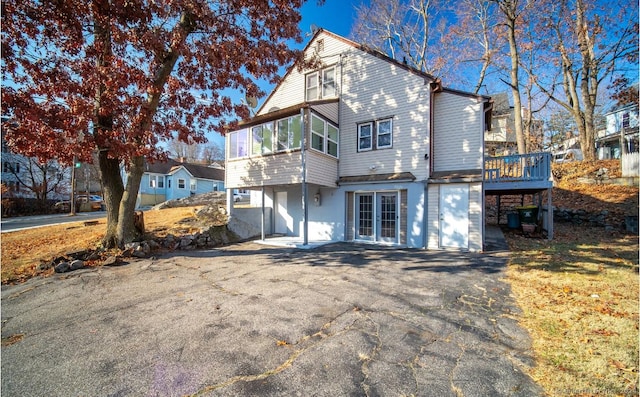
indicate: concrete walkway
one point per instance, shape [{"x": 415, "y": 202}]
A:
[{"x": 249, "y": 320}]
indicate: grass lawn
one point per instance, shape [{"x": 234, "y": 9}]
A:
[
  {"x": 23, "y": 250},
  {"x": 579, "y": 295}
]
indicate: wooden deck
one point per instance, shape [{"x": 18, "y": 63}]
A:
[{"x": 517, "y": 173}]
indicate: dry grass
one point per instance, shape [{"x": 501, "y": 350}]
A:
[
  {"x": 23, "y": 250},
  {"x": 579, "y": 295}
]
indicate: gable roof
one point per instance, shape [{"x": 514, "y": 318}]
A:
[
  {"x": 434, "y": 80},
  {"x": 196, "y": 170}
]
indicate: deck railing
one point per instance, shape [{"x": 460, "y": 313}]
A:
[{"x": 516, "y": 168}]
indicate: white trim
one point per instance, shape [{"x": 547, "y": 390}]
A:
[
  {"x": 370, "y": 125},
  {"x": 390, "y": 133},
  {"x": 312, "y": 77},
  {"x": 375, "y": 238}
]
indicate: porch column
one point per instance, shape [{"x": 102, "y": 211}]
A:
[
  {"x": 263, "y": 216},
  {"x": 549, "y": 215},
  {"x": 305, "y": 207},
  {"x": 229, "y": 202}
]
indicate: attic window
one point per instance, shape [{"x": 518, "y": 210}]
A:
[
  {"x": 320, "y": 46},
  {"x": 321, "y": 84}
]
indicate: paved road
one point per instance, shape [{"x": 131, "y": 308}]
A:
[
  {"x": 29, "y": 222},
  {"x": 247, "y": 320}
]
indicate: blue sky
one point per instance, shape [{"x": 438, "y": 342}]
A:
[{"x": 336, "y": 16}]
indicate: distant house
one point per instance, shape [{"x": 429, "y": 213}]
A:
[
  {"x": 621, "y": 133},
  {"x": 18, "y": 170},
  {"x": 173, "y": 179},
  {"x": 500, "y": 140}
]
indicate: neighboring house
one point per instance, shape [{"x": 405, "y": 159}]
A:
[
  {"x": 621, "y": 133},
  {"x": 500, "y": 140},
  {"x": 18, "y": 170},
  {"x": 367, "y": 149},
  {"x": 567, "y": 150},
  {"x": 172, "y": 179}
]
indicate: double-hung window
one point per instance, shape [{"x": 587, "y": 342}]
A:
[
  {"x": 324, "y": 136},
  {"x": 383, "y": 133},
  {"x": 181, "y": 183},
  {"x": 365, "y": 137},
  {"x": 321, "y": 84},
  {"x": 193, "y": 186},
  {"x": 312, "y": 86},
  {"x": 329, "y": 82},
  {"x": 374, "y": 135}
]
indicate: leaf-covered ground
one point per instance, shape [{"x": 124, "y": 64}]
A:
[
  {"x": 579, "y": 292},
  {"x": 22, "y": 251}
]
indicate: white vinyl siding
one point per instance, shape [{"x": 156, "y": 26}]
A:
[
  {"x": 292, "y": 89},
  {"x": 284, "y": 169},
  {"x": 458, "y": 132},
  {"x": 433, "y": 216},
  {"x": 475, "y": 217},
  {"x": 373, "y": 90}
]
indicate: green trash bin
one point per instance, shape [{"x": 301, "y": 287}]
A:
[{"x": 528, "y": 214}]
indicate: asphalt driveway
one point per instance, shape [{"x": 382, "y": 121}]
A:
[{"x": 340, "y": 320}]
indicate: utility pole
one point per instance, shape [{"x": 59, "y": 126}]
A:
[{"x": 72, "y": 202}]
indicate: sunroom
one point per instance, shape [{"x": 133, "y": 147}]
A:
[{"x": 291, "y": 157}]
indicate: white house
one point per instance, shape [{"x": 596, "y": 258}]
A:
[
  {"x": 621, "y": 133},
  {"x": 365, "y": 148}
]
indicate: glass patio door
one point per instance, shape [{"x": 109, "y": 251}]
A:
[{"x": 377, "y": 216}]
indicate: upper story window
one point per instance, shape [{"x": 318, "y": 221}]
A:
[
  {"x": 274, "y": 136},
  {"x": 384, "y": 135},
  {"x": 262, "y": 137},
  {"x": 625, "y": 120},
  {"x": 365, "y": 137},
  {"x": 321, "y": 84},
  {"x": 289, "y": 133},
  {"x": 238, "y": 144},
  {"x": 324, "y": 136},
  {"x": 375, "y": 135}
]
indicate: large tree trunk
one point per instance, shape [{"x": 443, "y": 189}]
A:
[
  {"x": 588, "y": 82},
  {"x": 515, "y": 83},
  {"x": 113, "y": 190},
  {"x": 126, "y": 231}
]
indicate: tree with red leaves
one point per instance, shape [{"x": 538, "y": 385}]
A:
[{"x": 117, "y": 77}]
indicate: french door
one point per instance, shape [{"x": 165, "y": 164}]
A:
[{"x": 376, "y": 216}]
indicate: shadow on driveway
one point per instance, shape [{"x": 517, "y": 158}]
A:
[{"x": 341, "y": 319}]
